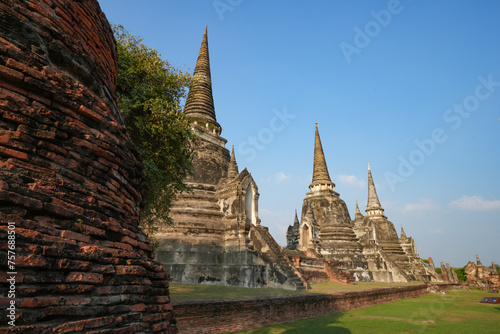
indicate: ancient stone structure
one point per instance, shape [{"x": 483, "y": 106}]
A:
[
  {"x": 71, "y": 181},
  {"x": 480, "y": 276},
  {"x": 217, "y": 237},
  {"x": 431, "y": 264},
  {"x": 368, "y": 245},
  {"x": 292, "y": 233}
]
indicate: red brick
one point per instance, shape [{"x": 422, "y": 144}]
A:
[
  {"x": 7, "y": 152},
  {"x": 75, "y": 236},
  {"x": 91, "y": 278},
  {"x": 14, "y": 88},
  {"x": 71, "y": 207},
  {"x": 93, "y": 230},
  {"x": 32, "y": 167},
  {"x": 160, "y": 326},
  {"x": 162, "y": 299},
  {"x": 130, "y": 270},
  {"x": 110, "y": 290},
  {"x": 68, "y": 300},
  {"x": 17, "y": 118},
  {"x": 24, "y": 201},
  {"x": 37, "y": 133},
  {"x": 51, "y": 147},
  {"x": 38, "y": 302},
  {"x": 31, "y": 71},
  {"x": 31, "y": 261},
  {"x": 122, "y": 246},
  {"x": 89, "y": 113},
  {"x": 39, "y": 98},
  {"x": 129, "y": 240},
  {"x": 64, "y": 15},
  {"x": 10, "y": 74},
  {"x": 84, "y": 324},
  {"x": 72, "y": 264},
  {"x": 17, "y": 135},
  {"x": 137, "y": 308}
]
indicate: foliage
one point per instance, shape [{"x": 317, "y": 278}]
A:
[
  {"x": 460, "y": 273},
  {"x": 425, "y": 261},
  {"x": 438, "y": 270},
  {"x": 149, "y": 91}
]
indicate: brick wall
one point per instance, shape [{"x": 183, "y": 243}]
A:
[
  {"x": 70, "y": 179},
  {"x": 216, "y": 316}
]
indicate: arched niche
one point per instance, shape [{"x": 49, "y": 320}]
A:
[
  {"x": 250, "y": 205},
  {"x": 305, "y": 236}
]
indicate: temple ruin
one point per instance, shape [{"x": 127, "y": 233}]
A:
[
  {"x": 367, "y": 247},
  {"x": 217, "y": 236},
  {"x": 481, "y": 276}
]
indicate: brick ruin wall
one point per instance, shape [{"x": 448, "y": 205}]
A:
[
  {"x": 216, "y": 316},
  {"x": 71, "y": 181}
]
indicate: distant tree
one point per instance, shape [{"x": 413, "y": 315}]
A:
[
  {"x": 438, "y": 270},
  {"x": 460, "y": 273},
  {"x": 149, "y": 92},
  {"x": 425, "y": 261}
]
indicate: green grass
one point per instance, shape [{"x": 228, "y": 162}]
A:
[
  {"x": 179, "y": 292},
  {"x": 457, "y": 312}
]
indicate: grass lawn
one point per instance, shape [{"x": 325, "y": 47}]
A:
[
  {"x": 180, "y": 292},
  {"x": 457, "y": 312}
]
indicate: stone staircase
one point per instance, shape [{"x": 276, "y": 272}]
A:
[
  {"x": 199, "y": 206},
  {"x": 337, "y": 274},
  {"x": 402, "y": 267},
  {"x": 279, "y": 258}
]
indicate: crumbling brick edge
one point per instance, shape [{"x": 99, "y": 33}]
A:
[{"x": 228, "y": 315}]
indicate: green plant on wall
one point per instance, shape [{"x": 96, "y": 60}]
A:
[{"x": 150, "y": 91}]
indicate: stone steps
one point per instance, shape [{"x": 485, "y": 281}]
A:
[
  {"x": 299, "y": 282},
  {"x": 192, "y": 203},
  {"x": 196, "y": 195},
  {"x": 180, "y": 218},
  {"x": 196, "y": 212}
]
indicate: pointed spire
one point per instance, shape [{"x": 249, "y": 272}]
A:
[
  {"x": 200, "y": 102},
  {"x": 403, "y": 234},
  {"x": 320, "y": 170},
  {"x": 478, "y": 261},
  {"x": 373, "y": 207},
  {"x": 358, "y": 215},
  {"x": 296, "y": 220},
  {"x": 232, "y": 170}
]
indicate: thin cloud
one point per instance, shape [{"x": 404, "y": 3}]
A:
[
  {"x": 437, "y": 231},
  {"x": 277, "y": 178},
  {"x": 280, "y": 177},
  {"x": 475, "y": 203},
  {"x": 351, "y": 180},
  {"x": 423, "y": 205}
]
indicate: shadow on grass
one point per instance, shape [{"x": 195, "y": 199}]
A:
[{"x": 319, "y": 325}]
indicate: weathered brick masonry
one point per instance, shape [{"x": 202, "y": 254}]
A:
[
  {"x": 217, "y": 316},
  {"x": 71, "y": 179}
]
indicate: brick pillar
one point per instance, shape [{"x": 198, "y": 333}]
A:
[{"x": 71, "y": 181}]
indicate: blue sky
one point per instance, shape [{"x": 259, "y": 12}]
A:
[{"x": 412, "y": 87}]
